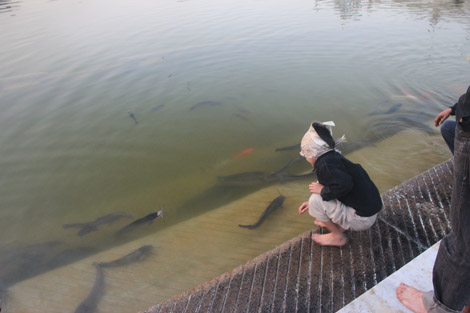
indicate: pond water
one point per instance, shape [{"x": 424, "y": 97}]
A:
[{"x": 139, "y": 106}]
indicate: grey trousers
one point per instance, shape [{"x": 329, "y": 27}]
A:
[{"x": 451, "y": 272}]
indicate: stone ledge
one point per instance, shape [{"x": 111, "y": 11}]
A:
[{"x": 299, "y": 276}]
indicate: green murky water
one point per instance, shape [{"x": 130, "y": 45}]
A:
[{"x": 205, "y": 80}]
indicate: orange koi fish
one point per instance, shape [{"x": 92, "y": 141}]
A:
[{"x": 244, "y": 152}]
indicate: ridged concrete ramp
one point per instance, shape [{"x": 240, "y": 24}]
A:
[{"x": 300, "y": 276}]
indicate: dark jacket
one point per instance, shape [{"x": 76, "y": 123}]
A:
[
  {"x": 348, "y": 182},
  {"x": 462, "y": 108}
]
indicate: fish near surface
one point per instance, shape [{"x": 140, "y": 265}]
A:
[
  {"x": 93, "y": 225},
  {"x": 244, "y": 153},
  {"x": 288, "y": 148},
  {"x": 137, "y": 255},
  {"x": 285, "y": 178},
  {"x": 158, "y": 107},
  {"x": 391, "y": 110},
  {"x": 90, "y": 304},
  {"x": 279, "y": 173},
  {"x": 242, "y": 179},
  {"x": 205, "y": 103},
  {"x": 133, "y": 117},
  {"x": 276, "y": 203},
  {"x": 144, "y": 220}
]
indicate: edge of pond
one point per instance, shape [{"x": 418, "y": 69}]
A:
[{"x": 299, "y": 276}]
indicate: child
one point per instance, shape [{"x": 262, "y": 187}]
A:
[{"x": 344, "y": 196}]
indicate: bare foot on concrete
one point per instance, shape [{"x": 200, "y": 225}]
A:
[
  {"x": 323, "y": 224},
  {"x": 331, "y": 239},
  {"x": 411, "y": 297}
]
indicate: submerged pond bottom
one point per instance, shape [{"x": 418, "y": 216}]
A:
[{"x": 300, "y": 276}]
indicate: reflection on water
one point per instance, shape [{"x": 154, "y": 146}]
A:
[{"x": 113, "y": 109}]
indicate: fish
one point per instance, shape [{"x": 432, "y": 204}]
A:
[
  {"x": 241, "y": 116},
  {"x": 276, "y": 203},
  {"x": 391, "y": 110},
  {"x": 93, "y": 225},
  {"x": 286, "y": 178},
  {"x": 205, "y": 103},
  {"x": 406, "y": 96},
  {"x": 288, "y": 148},
  {"x": 146, "y": 219},
  {"x": 157, "y": 107},
  {"x": 24, "y": 262},
  {"x": 133, "y": 117},
  {"x": 242, "y": 179},
  {"x": 90, "y": 304},
  {"x": 69, "y": 255},
  {"x": 278, "y": 174},
  {"x": 136, "y": 255},
  {"x": 347, "y": 147},
  {"x": 415, "y": 122},
  {"x": 244, "y": 153}
]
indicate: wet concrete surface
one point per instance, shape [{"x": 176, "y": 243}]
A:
[{"x": 300, "y": 276}]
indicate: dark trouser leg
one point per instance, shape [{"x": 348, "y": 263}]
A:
[
  {"x": 448, "y": 133},
  {"x": 451, "y": 273}
]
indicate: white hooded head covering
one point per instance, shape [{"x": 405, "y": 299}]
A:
[{"x": 313, "y": 144}]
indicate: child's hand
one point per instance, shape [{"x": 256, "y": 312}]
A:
[
  {"x": 303, "y": 208},
  {"x": 315, "y": 188}
]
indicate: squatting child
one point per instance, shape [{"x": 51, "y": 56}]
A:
[{"x": 344, "y": 196}]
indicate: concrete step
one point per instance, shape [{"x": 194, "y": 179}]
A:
[
  {"x": 300, "y": 276},
  {"x": 381, "y": 298}
]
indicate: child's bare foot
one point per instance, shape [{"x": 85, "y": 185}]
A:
[
  {"x": 323, "y": 224},
  {"x": 331, "y": 239},
  {"x": 411, "y": 297}
]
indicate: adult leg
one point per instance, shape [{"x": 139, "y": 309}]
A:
[
  {"x": 411, "y": 297},
  {"x": 448, "y": 133},
  {"x": 451, "y": 272}
]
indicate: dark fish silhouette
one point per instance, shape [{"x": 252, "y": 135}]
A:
[
  {"x": 70, "y": 255},
  {"x": 347, "y": 147},
  {"x": 158, "y": 107},
  {"x": 133, "y": 117},
  {"x": 276, "y": 203},
  {"x": 286, "y": 178},
  {"x": 391, "y": 110},
  {"x": 25, "y": 262},
  {"x": 415, "y": 122},
  {"x": 146, "y": 219},
  {"x": 242, "y": 179},
  {"x": 205, "y": 103},
  {"x": 90, "y": 304},
  {"x": 93, "y": 225},
  {"x": 288, "y": 148},
  {"x": 137, "y": 255},
  {"x": 387, "y": 127},
  {"x": 279, "y": 173}
]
